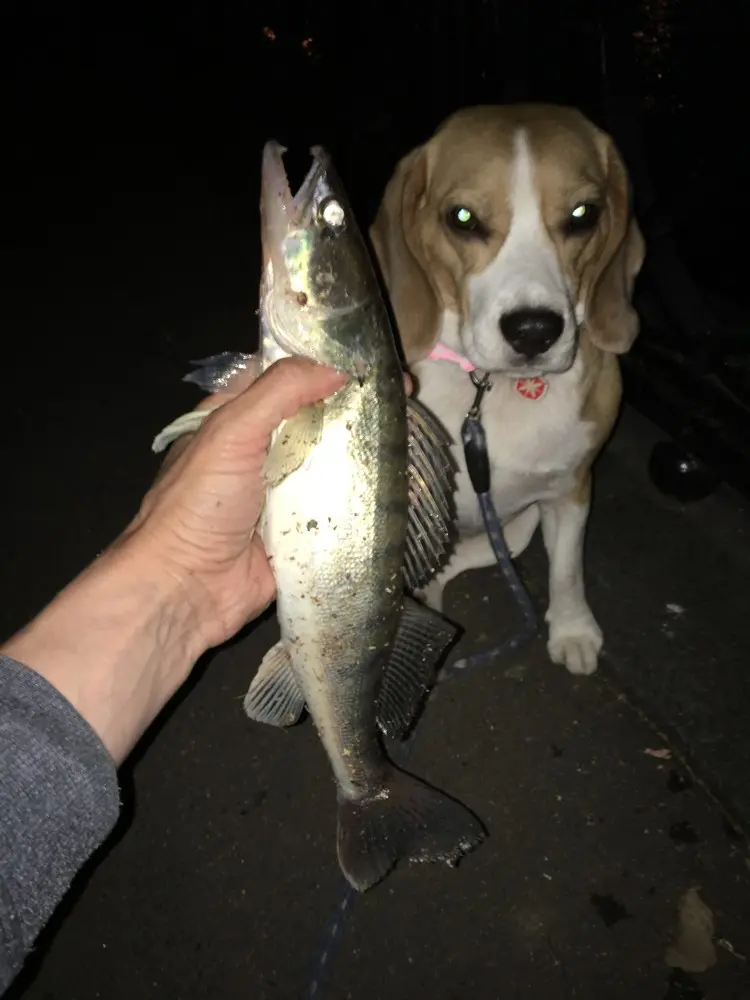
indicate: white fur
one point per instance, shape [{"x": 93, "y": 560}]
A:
[
  {"x": 535, "y": 446},
  {"x": 525, "y": 274}
]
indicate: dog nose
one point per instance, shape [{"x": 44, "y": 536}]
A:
[{"x": 531, "y": 331}]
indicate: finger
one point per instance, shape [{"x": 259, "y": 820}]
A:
[
  {"x": 217, "y": 399},
  {"x": 277, "y": 395},
  {"x": 241, "y": 380},
  {"x": 248, "y": 378},
  {"x": 173, "y": 453},
  {"x": 210, "y": 403},
  {"x": 244, "y": 379}
]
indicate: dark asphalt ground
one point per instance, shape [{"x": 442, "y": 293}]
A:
[{"x": 222, "y": 876}]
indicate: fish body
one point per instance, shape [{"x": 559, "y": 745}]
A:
[
  {"x": 335, "y": 528},
  {"x": 356, "y": 506}
]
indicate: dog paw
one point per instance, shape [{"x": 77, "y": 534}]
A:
[{"x": 575, "y": 642}]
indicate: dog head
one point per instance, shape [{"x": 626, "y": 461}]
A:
[{"x": 507, "y": 234}]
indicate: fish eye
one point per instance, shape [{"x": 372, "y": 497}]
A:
[
  {"x": 582, "y": 219},
  {"x": 462, "y": 220},
  {"x": 331, "y": 213}
]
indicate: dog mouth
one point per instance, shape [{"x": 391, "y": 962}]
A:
[
  {"x": 522, "y": 367},
  {"x": 538, "y": 368},
  {"x": 503, "y": 359}
]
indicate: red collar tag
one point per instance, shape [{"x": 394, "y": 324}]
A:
[{"x": 531, "y": 388}]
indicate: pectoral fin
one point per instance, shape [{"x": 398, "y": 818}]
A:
[
  {"x": 430, "y": 475},
  {"x": 422, "y": 638},
  {"x": 222, "y": 372},
  {"x": 219, "y": 373},
  {"x": 274, "y": 697},
  {"x": 294, "y": 441}
]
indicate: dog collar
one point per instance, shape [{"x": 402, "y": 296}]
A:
[
  {"x": 441, "y": 352},
  {"x": 530, "y": 388}
]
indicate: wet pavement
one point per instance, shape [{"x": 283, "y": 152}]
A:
[{"x": 222, "y": 879}]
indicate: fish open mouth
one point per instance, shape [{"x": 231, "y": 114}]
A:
[
  {"x": 278, "y": 205},
  {"x": 310, "y": 276}
]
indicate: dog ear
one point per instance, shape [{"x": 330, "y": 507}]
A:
[
  {"x": 395, "y": 236},
  {"x": 610, "y": 318}
]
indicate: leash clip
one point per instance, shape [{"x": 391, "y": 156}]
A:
[
  {"x": 474, "y": 439},
  {"x": 482, "y": 383}
]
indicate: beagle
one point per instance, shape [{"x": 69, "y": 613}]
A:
[{"x": 507, "y": 245}]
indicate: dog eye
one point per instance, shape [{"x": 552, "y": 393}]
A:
[
  {"x": 462, "y": 220},
  {"x": 582, "y": 219}
]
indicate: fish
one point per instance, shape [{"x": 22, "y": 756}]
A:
[{"x": 357, "y": 513}]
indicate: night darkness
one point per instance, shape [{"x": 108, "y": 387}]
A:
[
  {"x": 132, "y": 136},
  {"x": 103, "y": 101}
]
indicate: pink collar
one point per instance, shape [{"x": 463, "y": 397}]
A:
[
  {"x": 529, "y": 388},
  {"x": 441, "y": 352}
]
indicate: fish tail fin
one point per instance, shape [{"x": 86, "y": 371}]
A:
[{"x": 407, "y": 820}]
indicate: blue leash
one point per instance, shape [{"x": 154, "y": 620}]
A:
[{"x": 474, "y": 441}]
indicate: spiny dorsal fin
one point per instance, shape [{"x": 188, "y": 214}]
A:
[{"x": 430, "y": 474}]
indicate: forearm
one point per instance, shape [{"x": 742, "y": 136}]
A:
[
  {"x": 92, "y": 671},
  {"x": 116, "y": 643},
  {"x": 86, "y": 678}
]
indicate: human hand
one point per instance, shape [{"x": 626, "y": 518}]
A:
[
  {"x": 198, "y": 521},
  {"x": 186, "y": 575}
]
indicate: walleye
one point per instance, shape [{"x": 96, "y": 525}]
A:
[{"x": 358, "y": 506}]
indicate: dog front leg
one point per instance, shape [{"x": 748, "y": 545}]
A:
[
  {"x": 575, "y": 639},
  {"x": 473, "y": 552}
]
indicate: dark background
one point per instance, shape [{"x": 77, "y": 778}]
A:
[
  {"x": 140, "y": 101},
  {"x": 131, "y": 138},
  {"x": 150, "y": 117}
]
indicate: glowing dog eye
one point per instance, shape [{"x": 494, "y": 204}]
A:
[
  {"x": 583, "y": 218},
  {"x": 462, "y": 220}
]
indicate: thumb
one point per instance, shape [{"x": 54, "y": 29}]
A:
[{"x": 278, "y": 394}]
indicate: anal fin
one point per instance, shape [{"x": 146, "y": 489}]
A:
[
  {"x": 421, "y": 640},
  {"x": 274, "y": 696},
  {"x": 430, "y": 473}
]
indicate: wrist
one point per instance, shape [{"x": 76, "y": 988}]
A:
[{"x": 117, "y": 643}]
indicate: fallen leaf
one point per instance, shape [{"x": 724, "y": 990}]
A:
[{"x": 693, "y": 947}]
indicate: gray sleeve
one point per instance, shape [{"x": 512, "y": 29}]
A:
[{"x": 59, "y": 799}]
